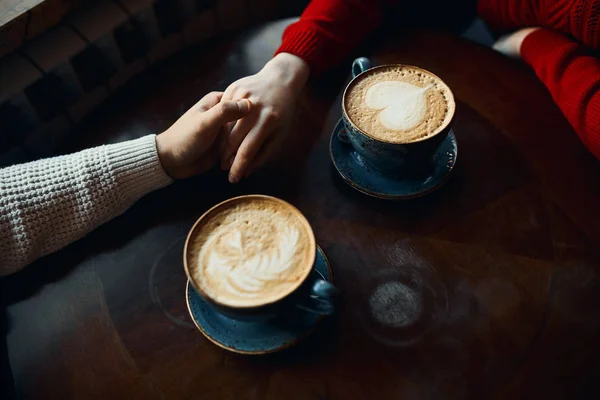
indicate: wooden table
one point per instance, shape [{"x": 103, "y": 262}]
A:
[{"x": 505, "y": 257}]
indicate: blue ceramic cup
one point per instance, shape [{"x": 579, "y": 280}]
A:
[
  {"x": 387, "y": 157},
  {"x": 313, "y": 293}
]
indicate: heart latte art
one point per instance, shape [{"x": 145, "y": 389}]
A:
[
  {"x": 399, "y": 104},
  {"x": 403, "y": 105},
  {"x": 251, "y": 251}
]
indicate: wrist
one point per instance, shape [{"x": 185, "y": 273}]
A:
[
  {"x": 291, "y": 70},
  {"x": 164, "y": 153},
  {"x": 524, "y": 34},
  {"x": 136, "y": 168}
]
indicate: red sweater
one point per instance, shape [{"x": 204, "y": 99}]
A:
[{"x": 561, "y": 56}]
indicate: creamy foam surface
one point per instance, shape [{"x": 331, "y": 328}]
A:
[
  {"x": 251, "y": 251},
  {"x": 399, "y": 104}
]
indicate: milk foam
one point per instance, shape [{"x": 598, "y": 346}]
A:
[
  {"x": 399, "y": 104},
  {"x": 248, "y": 273},
  {"x": 251, "y": 252},
  {"x": 404, "y": 106}
]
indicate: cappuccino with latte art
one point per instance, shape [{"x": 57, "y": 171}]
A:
[
  {"x": 250, "y": 251},
  {"x": 399, "y": 104}
]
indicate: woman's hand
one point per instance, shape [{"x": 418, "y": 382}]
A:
[
  {"x": 273, "y": 91},
  {"x": 187, "y": 147},
  {"x": 510, "y": 45}
]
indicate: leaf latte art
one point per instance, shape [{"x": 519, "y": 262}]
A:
[
  {"x": 250, "y": 251},
  {"x": 249, "y": 273}
]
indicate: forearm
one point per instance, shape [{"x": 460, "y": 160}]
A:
[
  {"x": 328, "y": 30},
  {"x": 572, "y": 76},
  {"x": 47, "y": 204}
]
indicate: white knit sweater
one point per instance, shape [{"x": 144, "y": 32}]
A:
[{"x": 47, "y": 204}]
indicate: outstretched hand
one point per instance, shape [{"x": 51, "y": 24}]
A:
[{"x": 188, "y": 147}]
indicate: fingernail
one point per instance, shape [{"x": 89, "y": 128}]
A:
[
  {"x": 233, "y": 178},
  {"x": 243, "y": 105}
]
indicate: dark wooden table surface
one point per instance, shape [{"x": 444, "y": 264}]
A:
[{"x": 505, "y": 257}]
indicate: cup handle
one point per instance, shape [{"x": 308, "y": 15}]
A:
[
  {"x": 360, "y": 65},
  {"x": 321, "y": 298}
]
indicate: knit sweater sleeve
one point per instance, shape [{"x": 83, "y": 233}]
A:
[
  {"x": 47, "y": 204},
  {"x": 328, "y": 30},
  {"x": 510, "y": 14},
  {"x": 572, "y": 75}
]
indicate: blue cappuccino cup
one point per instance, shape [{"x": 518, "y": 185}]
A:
[
  {"x": 386, "y": 156},
  {"x": 310, "y": 291}
]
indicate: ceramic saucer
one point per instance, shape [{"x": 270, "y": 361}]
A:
[
  {"x": 364, "y": 179},
  {"x": 256, "y": 337}
]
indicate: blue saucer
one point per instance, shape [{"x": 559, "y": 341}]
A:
[
  {"x": 364, "y": 179},
  {"x": 256, "y": 337}
]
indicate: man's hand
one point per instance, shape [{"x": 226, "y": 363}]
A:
[
  {"x": 187, "y": 147},
  {"x": 510, "y": 45},
  {"x": 273, "y": 91}
]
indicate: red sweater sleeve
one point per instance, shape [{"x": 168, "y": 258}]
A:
[
  {"x": 572, "y": 75},
  {"x": 510, "y": 14},
  {"x": 328, "y": 30},
  {"x": 577, "y": 18}
]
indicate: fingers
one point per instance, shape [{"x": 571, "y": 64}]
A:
[
  {"x": 228, "y": 93},
  {"x": 208, "y": 101},
  {"x": 233, "y": 91},
  {"x": 250, "y": 147},
  {"x": 224, "y": 112},
  {"x": 261, "y": 158},
  {"x": 222, "y": 141},
  {"x": 235, "y": 139},
  {"x": 236, "y": 91}
]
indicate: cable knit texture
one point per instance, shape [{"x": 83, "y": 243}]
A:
[
  {"x": 563, "y": 57},
  {"x": 47, "y": 204},
  {"x": 572, "y": 75}
]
